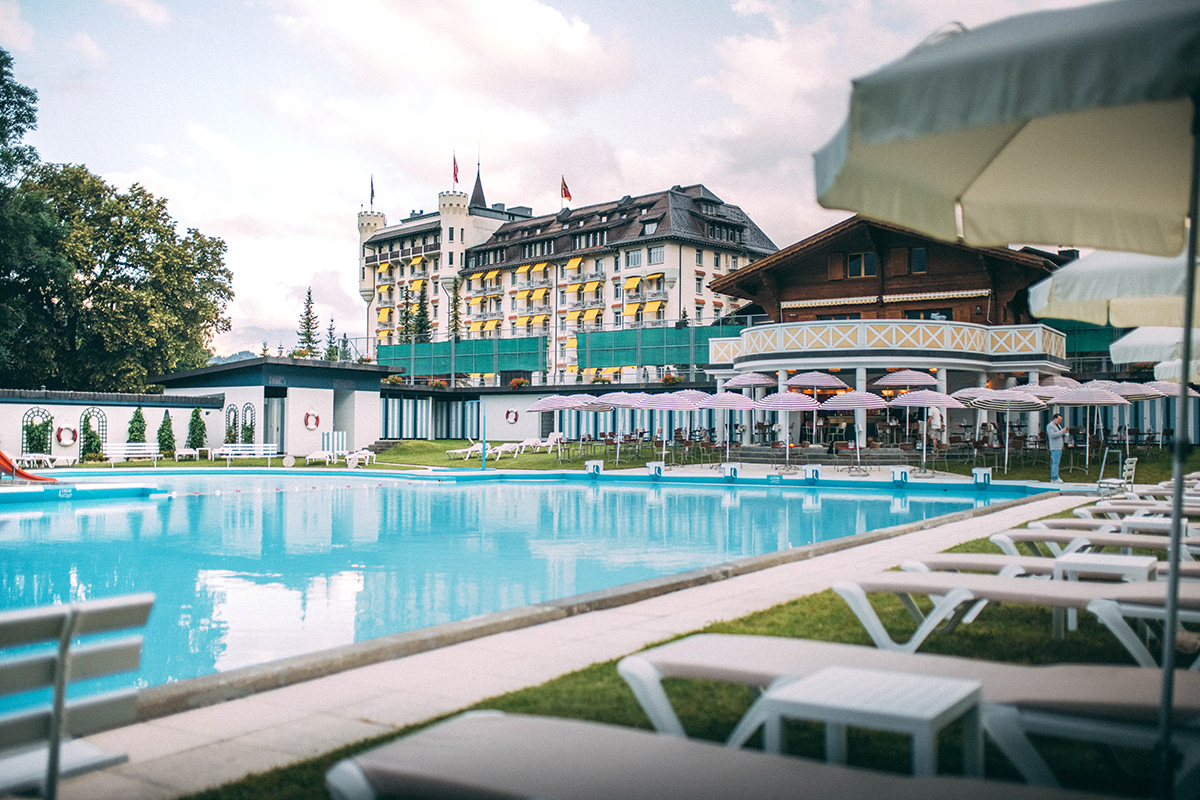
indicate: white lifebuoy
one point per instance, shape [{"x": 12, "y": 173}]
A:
[
  {"x": 66, "y": 436},
  {"x": 311, "y": 421},
  {"x": 511, "y": 415}
]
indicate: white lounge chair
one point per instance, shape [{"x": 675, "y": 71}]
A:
[
  {"x": 321, "y": 455},
  {"x": 507, "y": 447},
  {"x": 533, "y": 442},
  {"x": 555, "y": 439},
  {"x": 1056, "y": 542},
  {"x": 489, "y": 754},
  {"x": 954, "y": 595},
  {"x": 1100, "y": 703},
  {"x": 364, "y": 456},
  {"x": 476, "y": 448},
  {"x": 1037, "y": 566}
]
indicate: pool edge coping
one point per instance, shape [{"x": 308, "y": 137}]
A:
[{"x": 206, "y": 690}]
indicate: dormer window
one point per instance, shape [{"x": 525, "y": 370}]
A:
[{"x": 649, "y": 228}]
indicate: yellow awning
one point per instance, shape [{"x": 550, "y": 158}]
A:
[
  {"x": 591, "y": 286},
  {"x": 491, "y": 324},
  {"x": 384, "y": 267},
  {"x": 631, "y": 283},
  {"x": 521, "y": 295},
  {"x": 416, "y": 286},
  {"x": 575, "y": 262},
  {"x": 652, "y": 306},
  {"x": 573, "y": 315},
  {"x": 539, "y": 319},
  {"x": 571, "y": 342},
  {"x": 474, "y": 301},
  {"x": 476, "y": 325},
  {"x": 521, "y": 270},
  {"x": 417, "y": 260},
  {"x": 384, "y": 314},
  {"x": 590, "y": 371},
  {"x": 491, "y": 274},
  {"x": 654, "y": 277},
  {"x": 572, "y": 288},
  {"x": 379, "y": 335},
  {"x": 630, "y": 309},
  {"x": 591, "y": 314},
  {"x": 383, "y": 287},
  {"x": 572, "y": 368},
  {"x": 540, "y": 267},
  {"x": 538, "y": 294},
  {"x": 522, "y": 321}
]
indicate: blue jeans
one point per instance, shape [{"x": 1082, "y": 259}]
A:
[{"x": 1055, "y": 460}]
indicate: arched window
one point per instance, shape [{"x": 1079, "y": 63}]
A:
[
  {"x": 232, "y": 431},
  {"x": 93, "y": 419},
  {"x": 36, "y": 427},
  {"x": 248, "y": 423}
]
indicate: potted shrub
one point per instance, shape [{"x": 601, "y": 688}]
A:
[
  {"x": 436, "y": 384},
  {"x": 671, "y": 380},
  {"x": 600, "y": 379},
  {"x": 518, "y": 383}
]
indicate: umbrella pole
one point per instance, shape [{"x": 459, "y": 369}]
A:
[{"x": 1169, "y": 760}]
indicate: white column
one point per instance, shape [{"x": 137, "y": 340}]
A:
[
  {"x": 942, "y": 385},
  {"x": 980, "y": 414},
  {"x": 726, "y": 417},
  {"x": 1032, "y": 417},
  {"x": 860, "y": 415},
  {"x": 785, "y": 418}
]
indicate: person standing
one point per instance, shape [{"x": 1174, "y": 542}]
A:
[{"x": 1054, "y": 439}]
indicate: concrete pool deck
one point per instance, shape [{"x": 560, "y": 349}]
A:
[{"x": 180, "y": 754}]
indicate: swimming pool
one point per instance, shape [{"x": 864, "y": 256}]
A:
[{"x": 251, "y": 567}]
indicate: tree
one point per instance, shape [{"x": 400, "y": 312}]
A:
[
  {"x": 404, "y": 323},
  {"x": 137, "y": 426},
  {"x": 265, "y": 351},
  {"x": 90, "y": 443},
  {"x": 37, "y": 435},
  {"x": 306, "y": 336},
  {"x": 197, "y": 431},
  {"x": 331, "y": 344},
  {"x": 421, "y": 326},
  {"x": 166, "y": 434},
  {"x": 344, "y": 349},
  {"x": 455, "y": 320}
]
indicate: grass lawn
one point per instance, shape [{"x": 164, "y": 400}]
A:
[{"x": 710, "y": 709}]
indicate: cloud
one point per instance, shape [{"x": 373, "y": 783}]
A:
[
  {"x": 145, "y": 10},
  {"x": 16, "y": 34},
  {"x": 87, "y": 47}
]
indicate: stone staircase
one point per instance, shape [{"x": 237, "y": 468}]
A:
[{"x": 383, "y": 445}]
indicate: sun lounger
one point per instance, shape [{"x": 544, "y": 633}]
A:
[
  {"x": 1112, "y": 704},
  {"x": 494, "y": 755},
  {"x": 475, "y": 449},
  {"x": 1037, "y": 566},
  {"x": 500, "y": 449},
  {"x": 321, "y": 455},
  {"x": 364, "y": 456},
  {"x": 1116, "y": 509},
  {"x": 955, "y": 594},
  {"x": 1054, "y": 542}
]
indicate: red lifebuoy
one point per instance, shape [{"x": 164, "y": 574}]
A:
[
  {"x": 311, "y": 421},
  {"x": 511, "y": 415},
  {"x": 66, "y": 436}
]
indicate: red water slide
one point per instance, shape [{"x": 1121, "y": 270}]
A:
[{"x": 7, "y": 465}]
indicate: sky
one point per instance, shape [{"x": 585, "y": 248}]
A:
[{"x": 263, "y": 122}]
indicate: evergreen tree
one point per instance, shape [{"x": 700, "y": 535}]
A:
[
  {"x": 197, "y": 430},
  {"x": 331, "y": 344},
  {"x": 455, "y": 315},
  {"x": 137, "y": 427},
  {"x": 265, "y": 350},
  {"x": 422, "y": 327},
  {"x": 344, "y": 349},
  {"x": 309, "y": 327},
  {"x": 166, "y": 434},
  {"x": 280, "y": 352},
  {"x": 247, "y": 429},
  {"x": 90, "y": 443},
  {"x": 404, "y": 326}
]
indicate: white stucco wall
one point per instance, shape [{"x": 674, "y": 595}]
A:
[
  {"x": 299, "y": 440},
  {"x": 499, "y": 429}
]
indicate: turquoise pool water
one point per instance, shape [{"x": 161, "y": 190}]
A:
[{"x": 249, "y": 567}]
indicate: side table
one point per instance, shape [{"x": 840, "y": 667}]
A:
[{"x": 900, "y": 702}]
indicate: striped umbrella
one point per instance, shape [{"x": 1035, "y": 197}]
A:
[
  {"x": 1089, "y": 396},
  {"x": 853, "y": 401},
  {"x": 668, "y": 401},
  {"x": 816, "y": 380},
  {"x": 787, "y": 402},
  {"x": 750, "y": 379},
  {"x": 925, "y": 398},
  {"x": 727, "y": 401},
  {"x": 906, "y": 378},
  {"x": 1008, "y": 401}
]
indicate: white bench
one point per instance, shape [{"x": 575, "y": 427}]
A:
[
  {"x": 127, "y": 451},
  {"x": 39, "y": 747},
  {"x": 248, "y": 450}
]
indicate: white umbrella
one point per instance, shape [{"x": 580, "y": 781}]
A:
[
  {"x": 750, "y": 379},
  {"x": 668, "y": 401},
  {"x": 1008, "y": 401},
  {"x": 1060, "y": 381},
  {"x": 924, "y": 398},
  {"x": 553, "y": 402},
  {"x": 1135, "y": 392},
  {"x": 620, "y": 400},
  {"x": 1151, "y": 343},
  {"x": 906, "y": 378},
  {"x": 853, "y": 401},
  {"x": 787, "y": 402},
  {"x": 1121, "y": 289},
  {"x": 1073, "y": 125},
  {"x": 1089, "y": 396},
  {"x": 816, "y": 380},
  {"x": 1041, "y": 391},
  {"x": 729, "y": 401}
]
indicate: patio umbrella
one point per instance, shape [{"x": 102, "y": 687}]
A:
[
  {"x": 1059, "y": 381},
  {"x": 1073, "y": 125},
  {"x": 787, "y": 402},
  {"x": 816, "y": 380},
  {"x": 1088, "y": 397},
  {"x": 750, "y": 379},
  {"x": 925, "y": 398},
  {"x": 1009, "y": 401},
  {"x": 729, "y": 401},
  {"x": 667, "y": 401},
  {"x": 1135, "y": 392},
  {"x": 1151, "y": 343},
  {"x": 906, "y": 378},
  {"x": 620, "y": 400},
  {"x": 853, "y": 401}
]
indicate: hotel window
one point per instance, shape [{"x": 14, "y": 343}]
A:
[
  {"x": 452, "y": 258},
  {"x": 832, "y": 317},
  {"x": 716, "y": 260},
  {"x": 930, "y": 313},
  {"x": 618, "y": 291},
  {"x": 699, "y": 257},
  {"x": 735, "y": 263},
  {"x": 600, "y": 267},
  {"x": 633, "y": 258},
  {"x": 918, "y": 260},
  {"x": 699, "y": 284},
  {"x": 861, "y": 265},
  {"x": 452, "y": 234},
  {"x": 657, "y": 255},
  {"x": 649, "y": 228}
]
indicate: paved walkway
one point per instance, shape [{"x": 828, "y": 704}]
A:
[{"x": 186, "y": 753}]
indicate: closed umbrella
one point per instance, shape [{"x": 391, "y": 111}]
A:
[
  {"x": 853, "y": 401},
  {"x": 1073, "y": 125},
  {"x": 1089, "y": 397},
  {"x": 925, "y": 398},
  {"x": 816, "y": 380},
  {"x": 1009, "y": 401},
  {"x": 787, "y": 402}
]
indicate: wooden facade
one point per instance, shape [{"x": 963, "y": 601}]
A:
[{"x": 861, "y": 269}]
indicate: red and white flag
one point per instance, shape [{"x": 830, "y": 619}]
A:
[
  {"x": 566, "y": 193},
  {"x": 455, "y": 170}
]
